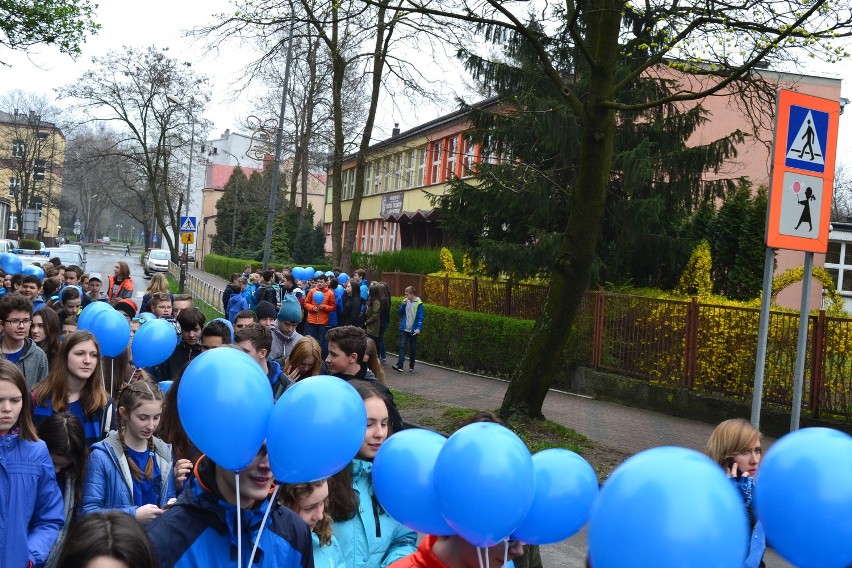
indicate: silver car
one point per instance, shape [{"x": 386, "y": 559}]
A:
[
  {"x": 79, "y": 248},
  {"x": 157, "y": 260},
  {"x": 67, "y": 256}
]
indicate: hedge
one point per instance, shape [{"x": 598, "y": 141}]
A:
[
  {"x": 223, "y": 266},
  {"x": 470, "y": 341}
]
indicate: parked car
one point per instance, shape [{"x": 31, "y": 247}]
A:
[
  {"x": 78, "y": 247},
  {"x": 102, "y": 241},
  {"x": 6, "y": 245},
  {"x": 157, "y": 260},
  {"x": 67, "y": 256}
]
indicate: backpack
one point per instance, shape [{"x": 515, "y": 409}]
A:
[
  {"x": 236, "y": 304},
  {"x": 268, "y": 293}
]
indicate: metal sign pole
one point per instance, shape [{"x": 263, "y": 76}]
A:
[
  {"x": 801, "y": 343},
  {"x": 762, "y": 337}
]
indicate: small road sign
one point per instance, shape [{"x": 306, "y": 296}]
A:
[
  {"x": 187, "y": 224},
  {"x": 187, "y": 238}
]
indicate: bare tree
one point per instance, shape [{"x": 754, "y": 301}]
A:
[
  {"x": 131, "y": 89},
  {"x": 841, "y": 196}
]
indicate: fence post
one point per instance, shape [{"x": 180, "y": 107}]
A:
[
  {"x": 507, "y": 306},
  {"x": 817, "y": 363},
  {"x": 475, "y": 294},
  {"x": 597, "y": 333},
  {"x": 691, "y": 342},
  {"x": 446, "y": 291}
]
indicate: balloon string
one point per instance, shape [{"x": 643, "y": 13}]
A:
[
  {"x": 111, "y": 374},
  {"x": 239, "y": 525},
  {"x": 479, "y": 552},
  {"x": 263, "y": 524},
  {"x": 505, "y": 551}
]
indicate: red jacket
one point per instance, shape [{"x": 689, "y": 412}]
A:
[
  {"x": 422, "y": 558},
  {"x": 319, "y": 317}
]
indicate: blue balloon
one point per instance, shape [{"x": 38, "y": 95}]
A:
[
  {"x": 343, "y": 278},
  {"x": 331, "y": 422},
  {"x": 319, "y": 297},
  {"x": 84, "y": 320},
  {"x": 804, "y": 497},
  {"x": 309, "y": 273},
  {"x": 670, "y": 504},
  {"x": 11, "y": 263},
  {"x": 112, "y": 331},
  {"x": 329, "y": 273},
  {"x": 410, "y": 455},
  {"x": 318, "y": 273},
  {"x": 165, "y": 386},
  {"x": 484, "y": 481},
  {"x": 565, "y": 489},
  {"x": 224, "y": 383},
  {"x": 153, "y": 343},
  {"x": 34, "y": 270},
  {"x": 147, "y": 316}
]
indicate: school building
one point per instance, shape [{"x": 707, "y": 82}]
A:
[{"x": 404, "y": 170}]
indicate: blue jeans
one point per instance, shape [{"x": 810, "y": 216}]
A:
[
  {"x": 407, "y": 342},
  {"x": 317, "y": 331}
]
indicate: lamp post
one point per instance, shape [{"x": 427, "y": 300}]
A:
[
  {"x": 185, "y": 255},
  {"x": 118, "y": 232}
]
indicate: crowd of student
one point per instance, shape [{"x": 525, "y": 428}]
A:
[{"x": 73, "y": 457}]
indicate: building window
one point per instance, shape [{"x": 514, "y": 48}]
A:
[
  {"x": 466, "y": 157},
  {"x": 18, "y": 149},
  {"x": 390, "y": 173},
  {"x": 436, "y": 163},
  {"x": 410, "y": 160},
  {"x": 392, "y": 240},
  {"x": 421, "y": 167},
  {"x": 368, "y": 177},
  {"x": 452, "y": 155},
  {"x": 363, "y": 236},
  {"x": 397, "y": 170},
  {"x": 39, "y": 169},
  {"x": 372, "y": 226},
  {"x": 14, "y": 187},
  {"x": 838, "y": 263}
]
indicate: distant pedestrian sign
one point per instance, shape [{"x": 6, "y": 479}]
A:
[
  {"x": 802, "y": 172},
  {"x": 807, "y": 136},
  {"x": 187, "y": 224}
]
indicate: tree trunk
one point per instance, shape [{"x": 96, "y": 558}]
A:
[{"x": 572, "y": 267}]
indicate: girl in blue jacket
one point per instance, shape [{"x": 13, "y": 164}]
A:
[
  {"x": 30, "y": 503},
  {"x": 132, "y": 469},
  {"x": 368, "y": 535}
]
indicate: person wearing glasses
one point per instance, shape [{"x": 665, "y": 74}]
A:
[
  {"x": 16, "y": 346},
  {"x": 735, "y": 445}
]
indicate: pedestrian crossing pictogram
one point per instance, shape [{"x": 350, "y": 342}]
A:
[
  {"x": 187, "y": 224},
  {"x": 806, "y": 139}
]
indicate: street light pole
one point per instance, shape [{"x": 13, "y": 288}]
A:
[
  {"x": 89, "y": 218},
  {"x": 185, "y": 255}
]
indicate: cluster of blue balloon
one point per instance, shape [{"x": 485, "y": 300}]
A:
[
  {"x": 11, "y": 264},
  {"x": 483, "y": 485},
  {"x": 303, "y": 273},
  {"x": 152, "y": 344},
  {"x": 313, "y": 431}
]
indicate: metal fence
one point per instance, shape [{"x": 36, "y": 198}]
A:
[{"x": 200, "y": 290}]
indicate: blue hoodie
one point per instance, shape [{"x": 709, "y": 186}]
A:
[{"x": 31, "y": 506}]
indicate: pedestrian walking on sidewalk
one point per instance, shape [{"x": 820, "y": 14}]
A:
[{"x": 410, "y": 326}]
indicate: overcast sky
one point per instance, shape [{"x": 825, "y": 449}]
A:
[{"x": 160, "y": 23}]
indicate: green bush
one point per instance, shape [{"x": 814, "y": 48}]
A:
[
  {"x": 413, "y": 260},
  {"x": 29, "y": 244},
  {"x": 224, "y": 266}
]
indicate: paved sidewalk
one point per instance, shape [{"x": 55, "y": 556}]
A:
[{"x": 627, "y": 429}]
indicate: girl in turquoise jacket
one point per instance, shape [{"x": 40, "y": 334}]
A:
[{"x": 368, "y": 535}]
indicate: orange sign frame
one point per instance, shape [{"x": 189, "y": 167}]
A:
[{"x": 774, "y": 238}]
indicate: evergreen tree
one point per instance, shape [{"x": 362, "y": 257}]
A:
[{"x": 656, "y": 183}]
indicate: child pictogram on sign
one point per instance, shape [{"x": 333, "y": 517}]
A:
[{"x": 806, "y": 205}]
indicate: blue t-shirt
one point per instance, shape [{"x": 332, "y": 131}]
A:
[
  {"x": 14, "y": 357},
  {"x": 144, "y": 491}
]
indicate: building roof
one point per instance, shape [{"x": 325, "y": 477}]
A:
[
  {"x": 219, "y": 174},
  {"x": 22, "y": 118}
]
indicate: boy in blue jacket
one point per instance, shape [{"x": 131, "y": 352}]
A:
[
  {"x": 410, "y": 326},
  {"x": 200, "y": 530}
]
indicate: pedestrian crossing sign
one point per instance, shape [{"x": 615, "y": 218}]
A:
[
  {"x": 802, "y": 175},
  {"x": 807, "y": 138},
  {"x": 187, "y": 224}
]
